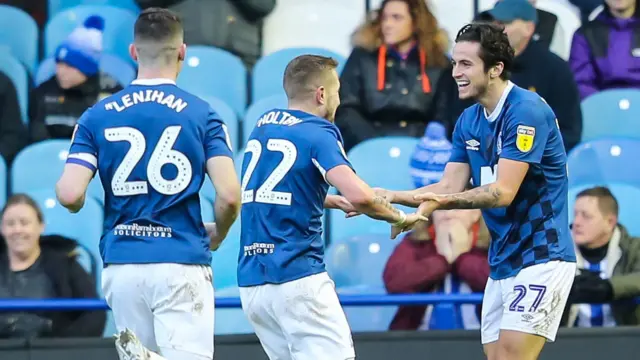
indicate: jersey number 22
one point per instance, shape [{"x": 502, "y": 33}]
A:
[
  {"x": 265, "y": 193},
  {"x": 163, "y": 154}
]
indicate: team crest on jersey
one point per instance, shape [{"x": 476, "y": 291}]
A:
[{"x": 524, "y": 138}]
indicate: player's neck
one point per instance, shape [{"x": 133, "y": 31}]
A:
[
  {"x": 305, "y": 108},
  {"x": 493, "y": 94},
  {"x": 145, "y": 74}
]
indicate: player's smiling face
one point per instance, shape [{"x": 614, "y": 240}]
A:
[{"x": 468, "y": 70}]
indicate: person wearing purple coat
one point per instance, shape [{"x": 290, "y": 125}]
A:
[{"x": 605, "y": 53}]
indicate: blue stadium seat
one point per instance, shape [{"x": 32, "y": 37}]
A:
[
  {"x": 258, "y": 108},
  {"x": 206, "y": 207},
  {"x": 605, "y": 160},
  {"x": 359, "y": 260},
  {"x": 17, "y": 72},
  {"x": 628, "y": 197},
  {"x": 207, "y": 191},
  {"x": 117, "y": 35},
  {"x": 225, "y": 260},
  {"x": 39, "y": 166},
  {"x": 611, "y": 113},
  {"x": 229, "y": 117},
  {"x": 231, "y": 321},
  {"x": 266, "y": 79},
  {"x": 56, "y": 6},
  {"x": 3, "y": 182},
  {"x": 120, "y": 70},
  {"x": 20, "y": 33},
  {"x": 209, "y": 71},
  {"x": 367, "y": 318},
  {"x": 85, "y": 226}
]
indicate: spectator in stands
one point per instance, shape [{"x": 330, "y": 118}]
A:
[
  {"x": 535, "y": 68},
  {"x": 77, "y": 84},
  {"x": 13, "y": 132},
  {"x": 605, "y": 51},
  {"x": 609, "y": 264},
  {"x": 233, "y": 25},
  {"x": 41, "y": 267},
  {"x": 388, "y": 80}
]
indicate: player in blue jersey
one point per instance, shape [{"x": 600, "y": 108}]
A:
[
  {"x": 509, "y": 144},
  {"x": 292, "y": 157},
  {"x": 152, "y": 145}
]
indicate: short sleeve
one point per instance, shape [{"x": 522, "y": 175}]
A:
[
  {"x": 84, "y": 150},
  {"x": 328, "y": 151},
  {"x": 458, "y": 147},
  {"x": 525, "y": 133},
  {"x": 217, "y": 140}
]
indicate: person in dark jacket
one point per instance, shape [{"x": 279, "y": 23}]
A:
[
  {"x": 233, "y": 25},
  {"x": 41, "y": 267},
  {"x": 605, "y": 52},
  {"x": 77, "y": 85},
  {"x": 13, "y": 132},
  {"x": 388, "y": 81},
  {"x": 535, "y": 68}
]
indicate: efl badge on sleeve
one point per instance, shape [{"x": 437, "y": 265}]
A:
[{"x": 524, "y": 139}]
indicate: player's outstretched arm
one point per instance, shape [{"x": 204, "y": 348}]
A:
[
  {"x": 338, "y": 202},
  {"x": 456, "y": 176},
  {"x": 500, "y": 193},
  {"x": 227, "y": 203},
  {"x": 364, "y": 199},
  {"x": 72, "y": 186}
]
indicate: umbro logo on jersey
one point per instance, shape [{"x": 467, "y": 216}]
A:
[{"x": 473, "y": 144}]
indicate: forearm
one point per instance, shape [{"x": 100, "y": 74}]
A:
[
  {"x": 406, "y": 198},
  {"x": 225, "y": 214},
  {"x": 333, "y": 201},
  {"x": 380, "y": 209},
  {"x": 483, "y": 197}
]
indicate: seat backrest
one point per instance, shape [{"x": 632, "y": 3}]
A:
[
  {"x": 258, "y": 108},
  {"x": 209, "y": 71},
  {"x": 122, "y": 71},
  {"x": 3, "y": 182},
  {"x": 605, "y": 160},
  {"x": 39, "y": 166},
  {"x": 116, "y": 37},
  {"x": 613, "y": 112},
  {"x": 225, "y": 260},
  {"x": 56, "y": 6},
  {"x": 268, "y": 73},
  {"x": 228, "y": 116},
  {"x": 296, "y": 24},
  {"x": 17, "y": 72},
  {"x": 20, "y": 32}
]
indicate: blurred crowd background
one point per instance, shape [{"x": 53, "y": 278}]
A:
[{"x": 399, "y": 107}]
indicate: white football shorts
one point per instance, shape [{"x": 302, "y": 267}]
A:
[
  {"x": 169, "y": 307},
  {"x": 299, "y": 320},
  {"x": 531, "y": 302}
]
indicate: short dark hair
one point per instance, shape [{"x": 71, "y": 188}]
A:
[
  {"x": 25, "y": 199},
  {"x": 154, "y": 31},
  {"x": 494, "y": 45},
  {"x": 305, "y": 73},
  {"x": 607, "y": 203}
]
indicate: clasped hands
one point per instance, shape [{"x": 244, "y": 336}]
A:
[{"x": 430, "y": 203}]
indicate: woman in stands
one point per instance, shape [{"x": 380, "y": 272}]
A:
[
  {"x": 40, "y": 267},
  {"x": 388, "y": 81}
]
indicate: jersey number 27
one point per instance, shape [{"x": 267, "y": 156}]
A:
[
  {"x": 163, "y": 154},
  {"x": 265, "y": 193}
]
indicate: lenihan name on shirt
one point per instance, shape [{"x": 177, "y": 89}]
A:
[{"x": 144, "y": 96}]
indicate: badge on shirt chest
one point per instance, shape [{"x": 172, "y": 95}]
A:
[{"x": 524, "y": 138}]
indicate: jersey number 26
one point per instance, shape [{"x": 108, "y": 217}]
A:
[
  {"x": 265, "y": 193},
  {"x": 163, "y": 154}
]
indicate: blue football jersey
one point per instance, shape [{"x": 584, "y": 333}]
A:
[
  {"x": 283, "y": 193},
  {"x": 150, "y": 143},
  {"x": 534, "y": 229}
]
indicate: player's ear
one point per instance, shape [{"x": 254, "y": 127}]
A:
[
  {"x": 496, "y": 70},
  {"x": 321, "y": 95},
  {"x": 133, "y": 52},
  {"x": 182, "y": 52}
]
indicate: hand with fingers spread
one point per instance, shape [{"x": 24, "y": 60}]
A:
[{"x": 406, "y": 223}]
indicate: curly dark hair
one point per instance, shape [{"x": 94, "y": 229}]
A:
[{"x": 494, "y": 45}]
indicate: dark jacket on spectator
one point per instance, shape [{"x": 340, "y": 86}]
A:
[
  {"x": 235, "y": 26},
  {"x": 536, "y": 69},
  {"x": 69, "y": 280},
  {"x": 623, "y": 254},
  {"x": 605, "y": 53},
  {"x": 415, "y": 266},
  {"x": 54, "y": 111},
  {"x": 13, "y": 132}
]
